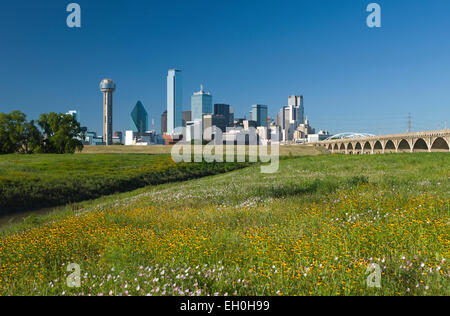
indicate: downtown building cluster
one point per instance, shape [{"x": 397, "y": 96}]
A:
[
  {"x": 177, "y": 124},
  {"x": 290, "y": 126}
]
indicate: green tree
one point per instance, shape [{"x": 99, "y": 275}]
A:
[
  {"x": 32, "y": 139},
  {"x": 61, "y": 132},
  {"x": 11, "y": 132}
]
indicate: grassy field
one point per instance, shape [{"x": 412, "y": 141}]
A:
[
  {"x": 311, "y": 229},
  {"x": 37, "y": 181}
]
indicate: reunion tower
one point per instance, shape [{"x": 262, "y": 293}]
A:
[{"x": 107, "y": 86}]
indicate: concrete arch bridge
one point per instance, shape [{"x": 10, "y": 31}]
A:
[{"x": 432, "y": 141}]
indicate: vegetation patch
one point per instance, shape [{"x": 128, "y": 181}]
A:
[
  {"x": 37, "y": 181},
  {"x": 314, "y": 228}
]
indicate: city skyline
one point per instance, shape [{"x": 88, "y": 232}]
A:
[{"x": 353, "y": 78}]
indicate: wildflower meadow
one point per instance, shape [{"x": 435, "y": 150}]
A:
[{"x": 313, "y": 228}]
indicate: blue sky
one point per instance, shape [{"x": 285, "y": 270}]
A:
[{"x": 245, "y": 52}]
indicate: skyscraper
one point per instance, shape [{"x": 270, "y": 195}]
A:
[
  {"x": 201, "y": 103},
  {"x": 107, "y": 86},
  {"x": 164, "y": 123},
  {"x": 297, "y": 110},
  {"x": 259, "y": 114},
  {"x": 139, "y": 119},
  {"x": 174, "y": 101},
  {"x": 225, "y": 110}
]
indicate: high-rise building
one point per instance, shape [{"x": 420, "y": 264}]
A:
[
  {"x": 187, "y": 117},
  {"x": 107, "y": 87},
  {"x": 225, "y": 110},
  {"x": 174, "y": 101},
  {"x": 164, "y": 123},
  {"x": 297, "y": 110},
  {"x": 259, "y": 114},
  {"x": 210, "y": 120},
  {"x": 201, "y": 103},
  {"x": 281, "y": 118},
  {"x": 283, "y": 121},
  {"x": 139, "y": 119}
]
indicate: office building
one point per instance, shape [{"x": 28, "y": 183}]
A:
[
  {"x": 118, "y": 138},
  {"x": 259, "y": 114},
  {"x": 141, "y": 139},
  {"x": 194, "y": 130},
  {"x": 139, "y": 119},
  {"x": 276, "y": 133},
  {"x": 201, "y": 103},
  {"x": 93, "y": 140},
  {"x": 174, "y": 102},
  {"x": 296, "y": 110},
  {"x": 231, "y": 117},
  {"x": 322, "y": 135},
  {"x": 210, "y": 120},
  {"x": 247, "y": 124},
  {"x": 187, "y": 117},
  {"x": 226, "y": 111},
  {"x": 107, "y": 87},
  {"x": 164, "y": 123}
]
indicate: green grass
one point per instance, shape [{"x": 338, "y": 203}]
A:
[
  {"x": 311, "y": 229},
  {"x": 36, "y": 181}
]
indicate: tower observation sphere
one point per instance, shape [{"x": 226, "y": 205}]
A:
[{"x": 107, "y": 87}]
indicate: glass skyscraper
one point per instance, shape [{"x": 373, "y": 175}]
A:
[
  {"x": 201, "y": 103},
  {"x": 174, "y": 101},
  {"x": 225, "y": 110},
  {"x": 139, "y": 119},
  {"x": 259, "y": 114}
]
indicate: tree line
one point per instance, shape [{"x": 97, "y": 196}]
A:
[{"x": 54, "y": 133}]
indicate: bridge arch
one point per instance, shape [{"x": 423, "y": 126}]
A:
[
  {"x": 342, "y": 148},
  {"x": 440, "y": 145},
  {"x": 358, "y": 148},
  {"x": 404, "y": 146},
  {"x": 367, "y": 149},
  {"x": 350, "y": 148},
  {"x": 378, "y": 147},
  {"x": 390, "y": 147},
  {"x": 420, "y": 145}
]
